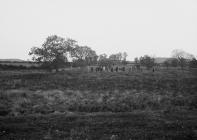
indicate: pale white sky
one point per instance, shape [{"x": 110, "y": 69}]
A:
[{"x": 139, "y": 27}]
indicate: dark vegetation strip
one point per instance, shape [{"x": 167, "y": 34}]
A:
[
  {"x": 139, "y": 125},
  {"x": 90, "y": 81}
]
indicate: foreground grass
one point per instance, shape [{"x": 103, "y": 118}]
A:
[
  {"x": 102, "y": 126},
  {"x": 77, "y": 80},
  {"x": 79, "y": 105},
  {"x": 23, "y": 93},
  {"x": 25, "y": 102}
]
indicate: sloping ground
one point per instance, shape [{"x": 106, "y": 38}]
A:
[{"x": 102, "y": 126}]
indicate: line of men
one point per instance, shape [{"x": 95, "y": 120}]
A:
[{"x": 114, "y": 69}]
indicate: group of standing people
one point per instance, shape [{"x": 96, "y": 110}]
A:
[{"x": 113, "y": 69}]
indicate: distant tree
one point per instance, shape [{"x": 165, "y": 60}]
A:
[
  {"x": 193, "y": 63},
  {"x": 124, "y": 58},
  {"x": 103, "y": 61},
  {"x": 136, "y": 60},
  {"x": 53, "y": 53},
  {"x": 147, "y": 61},
  {"x": 91, "y": 60},
  {"x": 174, "y": 62},
  {"x": 71, "y": 43},
  {"x": 179, "y": 55},
  {"x": 182, "y": 57},
  {"x": 84, "y": 54},
  {"x": 166, "y": 63},
  {"x": 114, "y": 57},
  {"x": 102, "y": 57},
  {"x": 118, "y": 57}
]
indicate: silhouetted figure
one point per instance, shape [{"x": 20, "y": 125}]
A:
[
  {"x": 92, "y": 69},
  {"x": 97, "y": 69},
  {"x": 116, "y": 69}
]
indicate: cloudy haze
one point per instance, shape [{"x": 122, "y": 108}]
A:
[{"x": 139, "y": 27}]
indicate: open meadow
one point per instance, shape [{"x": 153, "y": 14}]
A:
[{"x": 77, "y": 105}]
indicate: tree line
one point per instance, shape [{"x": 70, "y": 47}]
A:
[
  {"x": 182, "y": 59},
  {"x": 179, "y": 58},
  {"x": 55, "y": 52}
]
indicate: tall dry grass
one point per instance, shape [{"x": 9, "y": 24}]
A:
[{"x": 24, "y": 102}]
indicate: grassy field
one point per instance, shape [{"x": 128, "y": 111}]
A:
[{"x": 76, "y": 105}]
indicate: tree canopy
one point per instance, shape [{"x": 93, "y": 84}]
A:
[
  {"x": 53, "y": 52},
  {"x": 182, "y": 57},
  {"x": 147, "y": 61},
  {"x": 84, "y": 54}
]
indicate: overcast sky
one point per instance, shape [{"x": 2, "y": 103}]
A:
[{"x": 138, "y": 27}]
